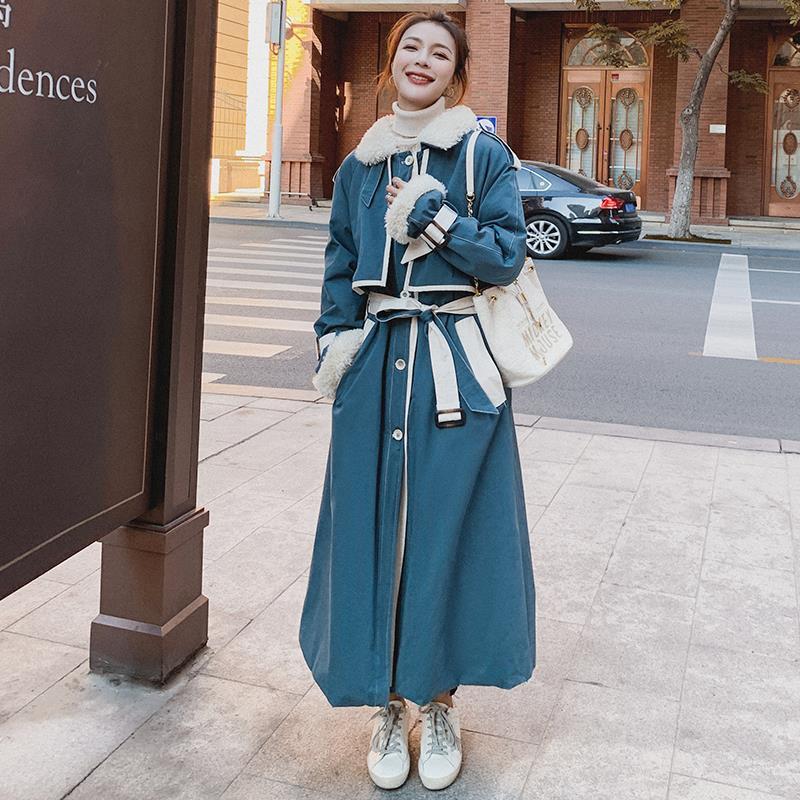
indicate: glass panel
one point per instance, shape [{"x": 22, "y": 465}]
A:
[
  {"x": 582, "y": 131},
  {"x": 626, "y": 138},
  {"x": 589, "y": 51},
  {"x": 789, "y": 54},
  {"x": 540, "y": 183},
  {"x": 785, "y": 125}
]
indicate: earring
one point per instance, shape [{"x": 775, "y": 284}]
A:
[{"x": 450, "y": 91}]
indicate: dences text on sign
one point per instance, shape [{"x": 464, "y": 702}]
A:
[{"x": 40, "y": 83}]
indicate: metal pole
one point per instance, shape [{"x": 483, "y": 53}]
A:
[{"x": 277, "y": 128}]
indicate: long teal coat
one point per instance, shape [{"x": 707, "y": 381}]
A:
[{"x": 421, "y": 576}]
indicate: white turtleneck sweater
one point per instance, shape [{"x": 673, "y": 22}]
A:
[{"x": 407, "y": 125}]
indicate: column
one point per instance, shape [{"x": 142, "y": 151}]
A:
[{"x": 488, "y": 25}]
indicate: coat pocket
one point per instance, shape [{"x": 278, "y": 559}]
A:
[
  {"x": 352, "y": 368},
  {"x": 480, "y": 361},
  {"x": 371, "y": 184}
]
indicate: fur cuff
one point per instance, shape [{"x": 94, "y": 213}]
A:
[
  {"x": 338, "y": 357},
  {"x": 403, "y": 205}
]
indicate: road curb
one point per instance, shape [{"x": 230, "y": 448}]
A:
[{"x": 768, "y": 445}]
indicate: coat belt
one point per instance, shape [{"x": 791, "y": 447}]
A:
[{"x": 452, "y": 375}]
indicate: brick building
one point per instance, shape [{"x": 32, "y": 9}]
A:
[{"x": 535, "y": 69}]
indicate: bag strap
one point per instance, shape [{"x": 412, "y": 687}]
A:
[
  {"x": 471, "y": 169},
  {"x": 471, "y": 186}
]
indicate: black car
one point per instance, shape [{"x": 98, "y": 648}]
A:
[{"x": 567, "y": 212}]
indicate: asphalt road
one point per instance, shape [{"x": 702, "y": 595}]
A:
[{"x": 641, "y": 316}]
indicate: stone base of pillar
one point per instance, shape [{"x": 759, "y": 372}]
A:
[
  {"x": 153, "y": 615},
  {"x": 709, "y": 195}
]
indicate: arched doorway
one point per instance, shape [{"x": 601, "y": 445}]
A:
[
  {"x": 605, "y": 111},
  {"x": 782, "y": 182}
]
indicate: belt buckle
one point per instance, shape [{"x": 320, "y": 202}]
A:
[{"x": 452, "y": 423}]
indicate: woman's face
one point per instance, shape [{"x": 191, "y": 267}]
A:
[{"x": 423, "y": 65}]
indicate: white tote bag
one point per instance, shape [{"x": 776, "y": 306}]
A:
[{"x": 525, "y": 335}]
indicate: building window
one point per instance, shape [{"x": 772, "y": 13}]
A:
[{"x": 591, "y": 50}]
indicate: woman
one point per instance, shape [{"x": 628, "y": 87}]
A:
[{"x": 421, "y": 575}]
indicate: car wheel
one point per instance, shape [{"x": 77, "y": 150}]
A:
[{"x": 546, "y": 237}]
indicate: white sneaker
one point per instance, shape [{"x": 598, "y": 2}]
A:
[
  {"x": 388, "y": 759},
  {"x": 439, "y": 745}
]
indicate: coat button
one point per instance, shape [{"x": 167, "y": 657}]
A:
[
  {"x": 397, "y": 434},
  {"x": 400, "y": 363},
  {"x": 409, "y": 160}
]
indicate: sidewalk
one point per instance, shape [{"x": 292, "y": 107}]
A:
[
  {"x": 666, "y": 570},
  {"x": 773, "y": 234}
]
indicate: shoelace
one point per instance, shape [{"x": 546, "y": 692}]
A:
[
  {"x": 441, "y": 734},
  {"x": 387, "y": 737}
]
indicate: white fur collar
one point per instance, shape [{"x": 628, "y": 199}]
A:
[{"x": 447, "y": 129}]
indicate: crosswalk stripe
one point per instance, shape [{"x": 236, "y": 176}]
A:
[
  {"x": 306, "y": 395},
  {"x": 281, "y": 262},
  {"x": 269, "y": 323},
  {"x": 276, "y": 245},
  {"x": 267, "y": 302},
  {"x": 730, "y": 332},
  {"x": 266, "y": 257},
  {"x": 312, "y": 236},
  {"x": 254, "y": 349},
  {"x": 264, "y": 286},
  {"x": 271, "y": 273}
]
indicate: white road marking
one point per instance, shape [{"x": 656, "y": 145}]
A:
[
  {"x": 280, "y": 262},
  {"x": 730, "y": 332},
  {"x": 210, "y": 377},
  {"x": 275, "y": 245},
  {"x": 264, "y": 286},
  {"x": 269, "y": 323},
  {"x": 779, "y": 302},
  {"x": 267, "y": 273},
  {"x": 242, "y": 348},
  {"x": 267, "y": 302},
  {"x": 784, "y": 271},
  {"x": 264, "y": 391},
  {"x": 312, "y": 236}
]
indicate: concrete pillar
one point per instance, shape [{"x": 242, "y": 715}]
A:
[{"x": 257, "y": 81}]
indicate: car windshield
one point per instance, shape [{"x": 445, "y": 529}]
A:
[{"x": 565, "y": 174}]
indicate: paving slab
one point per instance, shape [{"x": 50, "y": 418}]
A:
[
  {"x": 635, "y": 639},
  {"x": 738, "y": 722},
  {"x": 194, "y": 746},
  {"x": 30, "y": 667},
  {"x": 604, "y": 744},
  {"x": 268, "y": 653},
  {"x": 54, "y": 742},
  {"x": 659, "y": 556}
]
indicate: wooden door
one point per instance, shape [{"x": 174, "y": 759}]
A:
[
  {"x": 605, "y": 125},
  {"x": 783, "y": 161},
  {"x": 582, "y": 114},
  {"x": 626, "y": 129}
]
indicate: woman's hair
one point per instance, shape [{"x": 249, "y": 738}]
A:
[{"x": 449, "y": 24}]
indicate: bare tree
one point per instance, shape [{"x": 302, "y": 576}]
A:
[{"x": 673, "y": 35}]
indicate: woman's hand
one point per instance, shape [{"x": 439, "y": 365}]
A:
[{"x": 393, "y": 188}]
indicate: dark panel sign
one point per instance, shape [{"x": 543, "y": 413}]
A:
[{"x": 84, "y": 108}]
